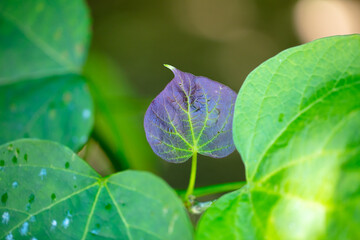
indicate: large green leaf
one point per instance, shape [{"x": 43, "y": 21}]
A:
[
  {"x": 40, "y": 38},
  {"x": 231, "y": 217},
  {"x": 42, "y": 46},
  {"x": 54, "y": 108},
  {"x": 296, "y": 126},
  {"x": 48, "y": 192}
]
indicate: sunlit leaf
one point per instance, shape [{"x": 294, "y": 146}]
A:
[
  {"x": 40, "y": 38},
  {"x": 55, "y": 108},
  {"x": 230, "y": 217},
  {"x": 192, "y": 114},
  {"x": 48, "y": 192},
  {"x": 296, "y": 126}
]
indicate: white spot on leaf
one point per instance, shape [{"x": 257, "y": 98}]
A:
[
  {"x": 86, "y": 113},
  {"x": 53, "y": 224},
  {"x": 9, "y": 237},
  {"x": 15, "y": 184},
  {"x": 66, "y": 223},
  {"x": 24, "y": 229},
  {"x": 42, "y": 173},
  {"x": 5, "y": 218},
  {"x": 68, "y": 213}
]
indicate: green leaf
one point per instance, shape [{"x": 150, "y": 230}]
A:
[
  {"x": 40, "y": 38},
  {"x": 55, "y": 108},
  {"x": 230, "y": 217},
  {"x": 284, "y": 89},
  {"x": 38, "y": 53},
  {"x": 50, "y": 193},
  {"x": 295, "y": 125}
]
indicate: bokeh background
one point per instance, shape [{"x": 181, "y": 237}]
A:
[{"x": 220, "y": 39}]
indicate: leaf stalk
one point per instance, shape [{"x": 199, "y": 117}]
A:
[
  {"x": 213, "y": 189},
  {"x": 190, "y": 189}
]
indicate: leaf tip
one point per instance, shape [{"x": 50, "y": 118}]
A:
[{"x": 173, "y": 69}]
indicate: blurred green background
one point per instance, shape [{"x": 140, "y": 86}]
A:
[{"x": 220, "y": 39}]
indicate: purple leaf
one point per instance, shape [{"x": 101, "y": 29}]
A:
[{"x": 191, "y": 115}]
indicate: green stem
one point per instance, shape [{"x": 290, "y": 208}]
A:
[
  {"x": 190, "y": 188},
  {"x": 213, "y": 189}
]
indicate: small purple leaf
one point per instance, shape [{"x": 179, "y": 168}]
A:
[{"x": 192, "y": 114}]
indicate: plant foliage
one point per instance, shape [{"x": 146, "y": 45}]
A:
[
  {"x": 42, "y": 94},
  {"x": 295, "y": 123},
  {"x": 191, "y": 115},
  {"x": 296, "y": 126},
  {"x": 48, "y": 192}
]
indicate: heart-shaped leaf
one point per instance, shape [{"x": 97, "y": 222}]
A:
[
  {"x": 55, "y": 108},
  {"x": 296, "y": 126},
  {"x": 40, "y": 38},
  {"x": 48, "y": 192},
  {"x": 191, "y": 115}
]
